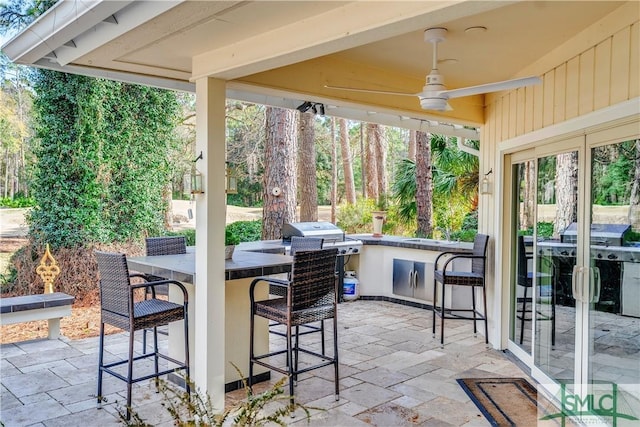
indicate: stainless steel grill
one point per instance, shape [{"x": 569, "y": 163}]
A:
[
  {"x": 328, "y": 231},
  {"x": 601, "y": 234},
  {"x": 333, "y": 236}
]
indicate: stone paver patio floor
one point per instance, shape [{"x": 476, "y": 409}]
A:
[{"x": 393, "y": 373}]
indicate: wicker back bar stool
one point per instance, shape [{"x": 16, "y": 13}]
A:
[
  {"x": 161, "y": 245},
  {"x": 119, "y": 308},
  {"x": 311, "y": 296},
  {"x": 299, "y": 244},
  {"x": 166, "y": 245},
  {"x": 472, "y": 279},
  {"x": 545, "y": 293}
]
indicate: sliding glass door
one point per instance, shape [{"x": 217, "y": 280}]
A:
[{"x": 575, "y": 282}]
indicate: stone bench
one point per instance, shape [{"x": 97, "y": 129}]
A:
[{"x": 27, "y": 308}]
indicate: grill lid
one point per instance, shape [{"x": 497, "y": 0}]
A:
[
  {"x": 603, "y": 234},
  {"x": 326, "y": 230}
]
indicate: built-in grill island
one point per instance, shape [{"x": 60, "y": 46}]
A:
[
  {"x": 333, "y": 237},
  {"x": 616, "y": 258}
]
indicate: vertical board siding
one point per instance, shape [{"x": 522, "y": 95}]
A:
[
  {"x": 548, "y": 102},
  {"x": 602, "y": 75},
  {"x": 634, "y": 61},
  {"x": 513, "y": 113},
  {"x": 528, "y": 109},
  {"x": 620, "y": 61},
  {"x": 520, "y": 113},
  {"x": 586, "y": 82},
  {"x": 538, "y": 91},
  {"x": 560, "y": 94},
  {"x": 572, "y": 88}
]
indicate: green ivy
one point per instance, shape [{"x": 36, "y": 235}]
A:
[{"x": 102, "y": 167}]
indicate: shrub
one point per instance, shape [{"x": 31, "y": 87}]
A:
[
  {"x": 197, "y": 410},
  {"x": 545, "y": 229},
  {"x": 357, "y": 218},
  {"x": 242, "y": 231},
  {"x": 189, "y": 234},
  {"x": 17, "y": 202},
  {"x": 464, "y": 235},
  {"x": 78, "y": 269}
]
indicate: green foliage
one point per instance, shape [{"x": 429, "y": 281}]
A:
[
  {"x": 455, "y": 189},
  {"x": 102, "y": 159},
  {"x": 357, "y": 218},
  {"x": 470, "y": 221},
  {"x": 468, "y": 229},
  {"x": 464, "y": 235},
  {"x": 242, "y": 231},
  {"x": 613, "y": 173},
  {"x": 403, "y": 189},
  {"x": 189, "y": 234},
  {"x": 632, "y": 236},
  {"x": 17, "y": 202},
  {"x": 545, "y": 229},
  {"x": 196, "y": 409}
]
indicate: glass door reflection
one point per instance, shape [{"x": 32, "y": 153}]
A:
[{"x": 556, "y": 256}]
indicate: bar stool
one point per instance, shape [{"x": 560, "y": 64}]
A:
[
  {"x": 525, "y": 280},
  {"x": 311, "y": 296},
  {"x": 119, "y": 308},
  {"x": 161, "y": 245},
  {"x": 472, "y": 279}
]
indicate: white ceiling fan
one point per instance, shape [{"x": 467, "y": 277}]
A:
[{"x": 434, "y": 94}]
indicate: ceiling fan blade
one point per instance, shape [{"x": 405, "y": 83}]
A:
[
  {"x": 386, "y": 92},
  {"x": 491, "y": 87}
]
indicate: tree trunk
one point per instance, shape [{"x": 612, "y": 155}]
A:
[
  {"x": 334, "y": 171},
  {"x": 372, "y": 170},
  {"x": 566, "y": 191},
  {"x": 279, "y": 171},
  {"x": 307, "y": 182},
  {"x": 349, "y": 186},
  {"x": 381, "y": 161},
  {"x": 412, "y": 146},
  {"x": 424, "y": 185},
  {"x": 363, "y": 162},
  {"x": 528, "y": 195},
  {"x": 634, "y": 202}
]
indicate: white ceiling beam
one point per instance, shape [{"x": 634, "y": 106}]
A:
[
  {"x": 114, "y": 26},
  {"x": 406, "y": 120},
  {"x": 121, "y": 76},
  {"x": 346, "y": 26},
  {"x": 63, "y": 22},
  {"x": 291, "y": 101}
]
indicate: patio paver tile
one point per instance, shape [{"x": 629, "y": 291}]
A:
[
  {"x": 32, "y": 383},
  {"x": 369, "y": 395},
  {"x": 33, "y": 413},
  {"x": 391, "y": 371}
]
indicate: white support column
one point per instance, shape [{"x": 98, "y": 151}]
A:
[{"x": 209, "y": 323}]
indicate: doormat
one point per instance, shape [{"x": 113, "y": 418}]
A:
[{"x": 504, "y": 401}]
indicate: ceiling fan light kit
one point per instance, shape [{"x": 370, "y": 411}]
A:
[{"x": 434, "y": 94}]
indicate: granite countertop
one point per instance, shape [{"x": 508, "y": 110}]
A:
[
  {"x": 277, "y": 246},
  {"x": 181, "y": 267},
  {"x": 413, "y": 243}
]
